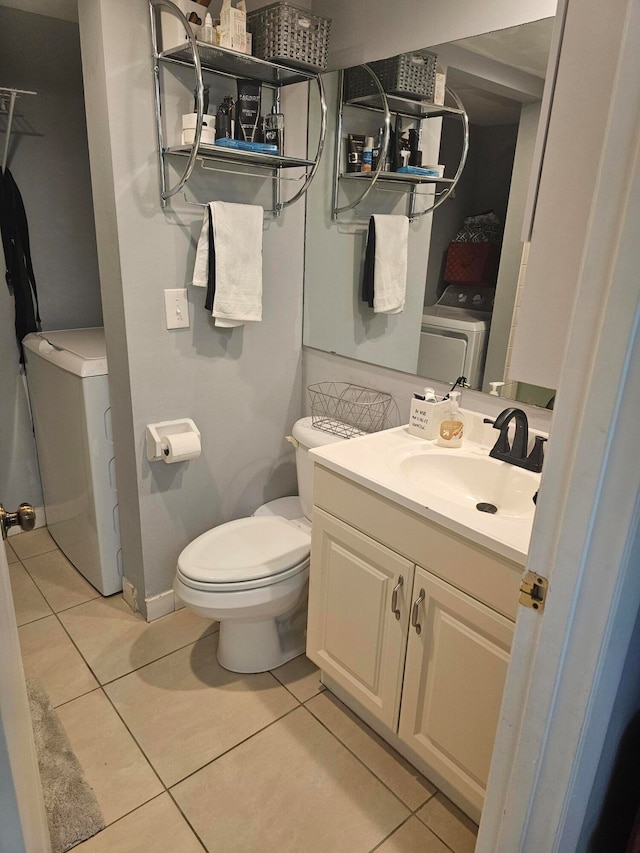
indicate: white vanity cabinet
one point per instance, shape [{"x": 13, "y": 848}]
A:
[
  {"x": 353, "y": 634},
  {"x": 453, "y": 682},
  {"x": 433, "y": 688}
]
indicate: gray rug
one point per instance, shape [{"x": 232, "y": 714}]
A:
[{"x": 72, "y": 810}]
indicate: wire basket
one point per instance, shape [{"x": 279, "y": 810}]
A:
[
  {"x": 410, "y": 75},
  {"x": 348, "y": 410},
  {"x": 290, "y": 35}
]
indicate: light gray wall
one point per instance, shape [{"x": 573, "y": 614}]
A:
[
  {"x": 49, "y": 160},
  {"x": 241, "y": 386},
  {"x": 370, "y": 29},
  {"x": 511, "y": 254},
  {"x": 569, "y": 171}
]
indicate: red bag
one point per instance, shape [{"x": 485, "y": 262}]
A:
[{"x": 472, "y": 263}]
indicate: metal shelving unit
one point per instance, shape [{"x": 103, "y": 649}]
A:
[
  {"x": 206, "y": 58},
  {"x": 382, "y": 102}
]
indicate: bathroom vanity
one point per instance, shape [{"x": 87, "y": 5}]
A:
[{"x": 411, "y": 609}]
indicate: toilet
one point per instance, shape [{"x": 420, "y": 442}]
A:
[{"x": 252, "y": 574}]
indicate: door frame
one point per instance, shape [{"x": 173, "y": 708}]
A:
[
  {"x": 23, "y": 814},
  {"x": 567, "y": 663}
]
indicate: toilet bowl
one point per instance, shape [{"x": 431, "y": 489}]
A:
[{"x": 252, "y": 574}]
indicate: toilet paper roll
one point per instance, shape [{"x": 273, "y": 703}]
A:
[{"x": 180, "y": 447}]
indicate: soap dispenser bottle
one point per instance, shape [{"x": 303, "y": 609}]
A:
[{"x": 451, "y": 427}]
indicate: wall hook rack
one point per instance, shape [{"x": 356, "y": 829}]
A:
[{"x": 10, "y": 95}]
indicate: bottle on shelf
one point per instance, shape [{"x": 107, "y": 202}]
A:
[
  {"x": 274, "y": 129},
  {"x": 439, "y": 86},
  {"x": 367, "y": 154},
  {"x": 207, "y": 32},
  {"x": 415, "y": 154},
  {"x": 225, "y": 125}
]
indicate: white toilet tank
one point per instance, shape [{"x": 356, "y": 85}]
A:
[{"x": 308, "y": 437}]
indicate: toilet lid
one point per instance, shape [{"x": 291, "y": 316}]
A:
[{"x": 246, "y": 549}]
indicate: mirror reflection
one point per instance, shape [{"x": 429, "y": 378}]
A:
[{"x": 468, "y": 250}]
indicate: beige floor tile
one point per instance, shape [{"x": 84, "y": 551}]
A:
[
  {"x": 61, "y": 584},
  {"x": 112, "y": 762},
  {"x": 450, "y": 824},
  {"x": 413, "y": 837},
  {"x": 301, "y": 677},
  {"x": 114, "y": 640},
  {"x": 28, "y": 601},
  {"x": 157, "y": 826},
  {"x": 12, "y": 557},
  {"x": 403, "y": 779},
  {"x": 49, "y": 654},
  {"x": 185, "y": 709},
  {"x": 289, "y": 788},
  {"x": 35, "y": 542}
]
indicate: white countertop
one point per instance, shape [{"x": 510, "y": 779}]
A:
[{"x": 370, "y": 461}]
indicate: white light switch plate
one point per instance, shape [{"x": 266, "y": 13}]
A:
[{"x": 176, "y": 309}]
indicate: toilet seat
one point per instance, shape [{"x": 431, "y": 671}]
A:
[{"x": 245, "y": 554}]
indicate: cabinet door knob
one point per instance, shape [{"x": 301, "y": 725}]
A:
[
  {"x": 414, "y": 611},
  {"x": 394, "y": 597}
]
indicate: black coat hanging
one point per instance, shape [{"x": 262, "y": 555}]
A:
[{"x": 19, "y": 274}]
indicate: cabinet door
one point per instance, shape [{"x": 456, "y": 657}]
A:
[
  {"x": 353, "y": 635},
  {"x": 454, "y": 679}
]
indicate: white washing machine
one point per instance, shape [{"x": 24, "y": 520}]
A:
[
  {"x": 69, "y": 393},
  {"x": 454, "y": 334}
]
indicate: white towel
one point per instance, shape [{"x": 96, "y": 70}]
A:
[
  {"x": 390, "y": 265},
  {"x": 237, "y": 231},
  {"x": 237, "y": 234},
  {"x": 201, "y": 266}
]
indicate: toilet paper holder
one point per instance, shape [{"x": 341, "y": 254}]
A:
[{"x": 159, "y": 438}]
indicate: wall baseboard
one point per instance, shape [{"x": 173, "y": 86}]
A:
[{"x": 162, "y": 605}]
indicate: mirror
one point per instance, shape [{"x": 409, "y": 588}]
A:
[{"x": 499, "y": 77}]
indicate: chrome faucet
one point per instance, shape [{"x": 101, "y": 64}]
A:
[{"x": 515, "y": 453}]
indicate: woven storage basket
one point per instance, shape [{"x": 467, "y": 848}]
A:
[
  {"x": 284, "y": 33},
  {"x": 410, "y": 75}
]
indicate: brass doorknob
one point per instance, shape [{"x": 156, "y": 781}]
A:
[{"x": 25, "y": 516}]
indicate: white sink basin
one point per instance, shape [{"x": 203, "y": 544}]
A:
[
  {"x": 478, "y": 482},
  {"x": 445, "y": 485}
]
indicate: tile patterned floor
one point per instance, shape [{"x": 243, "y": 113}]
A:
[{"x": 185, "y": 756}]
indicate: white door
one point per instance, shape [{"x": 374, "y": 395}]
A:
[
  {"x": 23, "y": 820},
  {"x": 568, "y": 663}
]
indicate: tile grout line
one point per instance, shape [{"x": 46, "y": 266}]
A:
[
  {"x": 235, "y": 746},
  {"x": 391, "y": 834},
  {"x": 41, "y": 591},
  {"x": 135, "y": 740},
  {"x": 413, "y": 811},
  {"x": 188, "y": 822},
  {"x": 360, "y": 761},
  {"x": 155, "y": 660}
]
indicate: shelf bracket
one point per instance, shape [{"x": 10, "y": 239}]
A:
[{"x": 154, "y": 7}]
